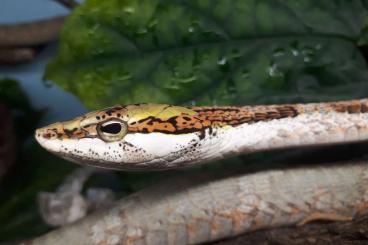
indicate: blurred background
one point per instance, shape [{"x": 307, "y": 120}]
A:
[
  {"x": 179, "y": 52},
  {"x": 25, "y": 103}
]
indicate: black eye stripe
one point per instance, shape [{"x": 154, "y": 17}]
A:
[{"x": 112, "y": 128}]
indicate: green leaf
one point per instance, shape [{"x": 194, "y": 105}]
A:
[{"x": 212, "y": 52}]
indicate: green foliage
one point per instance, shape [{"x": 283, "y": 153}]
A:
[{"x": 211, "y": 52}]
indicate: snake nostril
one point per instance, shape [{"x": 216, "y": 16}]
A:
[
  {"x": 38, "y": 133},
  {"x": 47, "y": 135},
  {"x": 43, "y": 134}
]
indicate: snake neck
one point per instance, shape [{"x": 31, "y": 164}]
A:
[
  {"x": 163, "y": 136},
  {"x": 252, "y": 114},
  {"x": 239, "y": 130}
]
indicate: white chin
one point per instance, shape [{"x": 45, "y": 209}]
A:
[{"x": 52, "y": 145}]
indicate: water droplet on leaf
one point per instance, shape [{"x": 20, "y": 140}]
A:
[
  {"x": 152, "y": 23},
  {"x": 223, "y": 64},
  {"x": 222, "y": 61},
  {"x": 245, "y": 74},
  {"x": 141, "y": 32},
  {"x": 129, "y": 9},
  {"x": 318, "y": 46},
  {"x": 295, "y": 48},
  {"x": 235, "y": 54},
  {"x": 190, "y": 79},
  {"x": 279, "y": 52},
  {"x": 273, "y": 71}
]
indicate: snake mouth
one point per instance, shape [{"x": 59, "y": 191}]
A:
[
  {"x": 156, "y": 164},
  {"x": 56, "y": 147},
  {"x": 49, "y": 144}
]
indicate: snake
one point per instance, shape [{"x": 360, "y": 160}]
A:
[
  {"x": 198, "y": 209},
  {"x": 209, "y": 206},
  {"x": 161, "y": 136}
]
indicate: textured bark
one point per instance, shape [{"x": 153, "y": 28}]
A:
[
  {"x": 35, "y": 33},
  {"x": 209, "y": 207},
  {"x": 70, "y": 4},
  {"x": 14, "y": 56}
]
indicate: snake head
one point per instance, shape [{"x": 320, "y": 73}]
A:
[{"x": 129, "y": 137}]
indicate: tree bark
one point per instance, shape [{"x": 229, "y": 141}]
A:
[{"x": 35, "y": 33}]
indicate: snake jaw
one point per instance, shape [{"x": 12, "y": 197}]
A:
[
  {"x": 47, "y": 143},
  {"x": 154, "y": 133},
  {"x": 136, "y": 151}
]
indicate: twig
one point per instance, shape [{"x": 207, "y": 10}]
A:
[
  {"x": 35, "y": 33},
  {"x": 14, "y": 56},
  {"x": 70, "y": 4}
]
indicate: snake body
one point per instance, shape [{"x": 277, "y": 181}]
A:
[
  {"x": 156, "y": 136},
  {"x": 208, "y": 206}
]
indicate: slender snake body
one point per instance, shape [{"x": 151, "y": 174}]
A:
[
  {"x": 208, "y": 208},
  {"x": 155, "y": 137}
]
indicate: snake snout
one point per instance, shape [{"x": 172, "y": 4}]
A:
[{"x": 52, "y": 131}]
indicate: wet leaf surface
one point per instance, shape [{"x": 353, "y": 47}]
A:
[{"x": 212, "y": 52}]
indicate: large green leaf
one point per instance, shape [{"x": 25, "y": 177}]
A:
[{"x": 211, "y": 52}]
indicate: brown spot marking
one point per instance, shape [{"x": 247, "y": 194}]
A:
[
  {"x": 192, "y": 229},
  {"x": 70, "y": 133},
  {"x": 364, "y": 107},
  {"x": 113, "y": 110},
  {"x": 175, "y": 125},
  {"x": 47, "y": 136},
  {"x": 186, "y": 122},
  {"x": 208, "y": 117},
  {"x": 152, "y": 124},
  {"x": 351, "y": 107},
  {"x": 238, "y": 115},
  {"x": 237, "y": 218},
  {"x": 362, "y": 208},
  {"x": 355, "y": 108},
  {"x": 215, "y": 226},
  {"x": 286, "y": 111}
]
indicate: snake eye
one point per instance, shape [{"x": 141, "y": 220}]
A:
[{"x": 112, "y": 130}]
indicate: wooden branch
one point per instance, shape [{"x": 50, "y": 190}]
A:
[
  {"x": 209, "y": 207},
  {"x": 27, "y": 34},
  {"x": 14, "y": 56},
  {"x": 70, "y": 4}
]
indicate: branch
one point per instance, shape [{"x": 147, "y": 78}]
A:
[
  {"x": 36, "y": 33},
  {"x": 70, "y": 4},
  {"x": 14, "y": 56},
  {"x": 209, "y": 207}
]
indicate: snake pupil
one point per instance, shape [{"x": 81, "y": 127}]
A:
[{"x": 112, "y": 128}]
